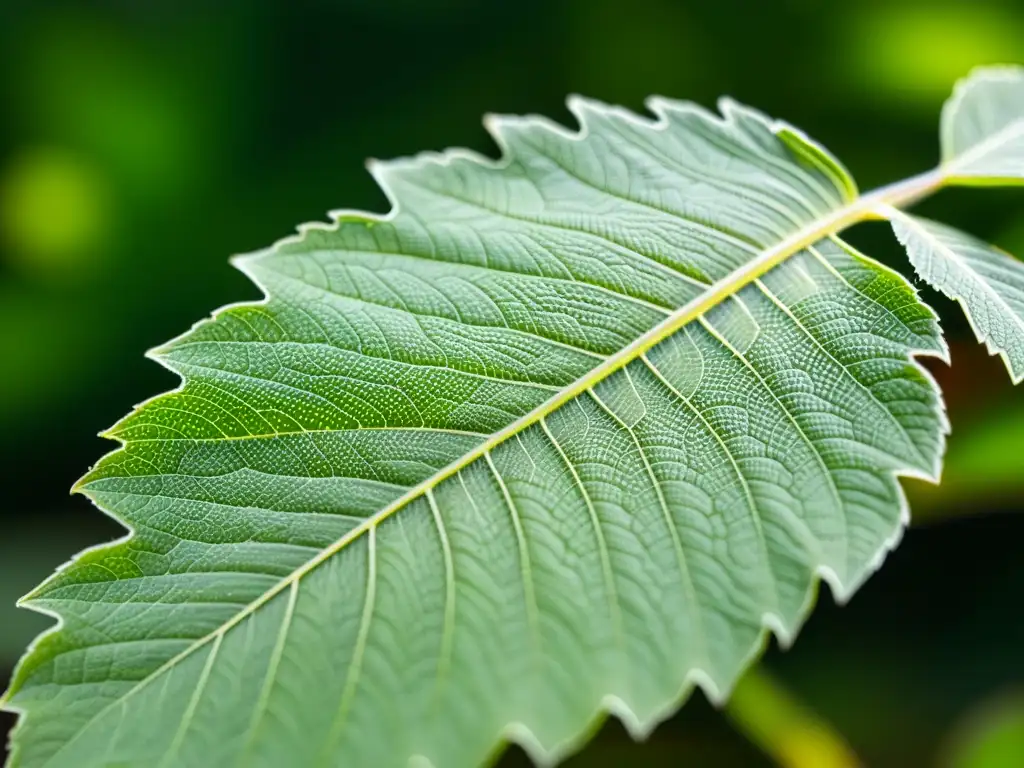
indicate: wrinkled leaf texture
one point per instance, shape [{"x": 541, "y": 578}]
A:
[{"x": 562, "y": 434}]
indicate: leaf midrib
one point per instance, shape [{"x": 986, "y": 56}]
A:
[{"x": 868, "y": 206}]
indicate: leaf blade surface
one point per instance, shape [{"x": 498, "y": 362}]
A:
[
  {"x": 988, "y": 283},
  {"x": 561, "y": 434},
  {"x": 982, "y": 130}
]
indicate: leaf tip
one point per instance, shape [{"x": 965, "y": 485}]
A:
[
  {"x": 157, "y": 354},
  {"x": 617, "y": 706},
  {"x": 658, "y": 105},
  {"x": 81, "y": 485},
  {"x": 498, "y": 125},
  {"x": 491, "y": 122},
  {"x": 728, "y": 107},
  {"x": 244, "y": 263},
  {"x": 587, "y": 111},
  {"x": 6, "y": 706},
  {"x": 783, "y": 634},
  {"x": 577, "y": 102},
  {"x": 382, "y": 172},
  {"x": 239, "y": 262},
  {"x": 29, "y": 600}
]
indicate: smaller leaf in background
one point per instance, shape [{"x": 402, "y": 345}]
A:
[
  {"x": 991, "y": 736},
  {"x": 982, "y": 128},
  {"x": 982, "y": 138},
  {"x": 988, "y": 283},
  {"x": 772, "y": 718}
]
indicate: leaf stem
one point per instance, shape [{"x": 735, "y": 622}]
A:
[{"x": 903, "y": 193}]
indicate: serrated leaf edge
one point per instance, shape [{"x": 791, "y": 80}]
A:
[{"x": 872, "y": 205}]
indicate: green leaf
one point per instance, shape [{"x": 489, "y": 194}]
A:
[
  {"x": 561, "y": 435},
  {"x": 982, "y": 143},
  {"x": 988, "y": 283},
  {"x": 983, "y": 128}
]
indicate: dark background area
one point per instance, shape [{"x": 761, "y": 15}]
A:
[{"x": 142, "y": 142}]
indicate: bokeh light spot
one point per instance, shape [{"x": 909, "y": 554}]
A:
[
  {"x": 913, "y": 53},
  {"x": 55, "y": 211}
]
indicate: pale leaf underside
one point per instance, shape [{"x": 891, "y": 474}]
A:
[
  {"x": 983, "y": 127},
  {"x": 982, "y": 143},
  {"x": 987, "y": 282},
  {"x": 540, "y": 444}
]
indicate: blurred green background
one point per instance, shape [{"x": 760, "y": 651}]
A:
[{"x": 142, "y": 142}]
